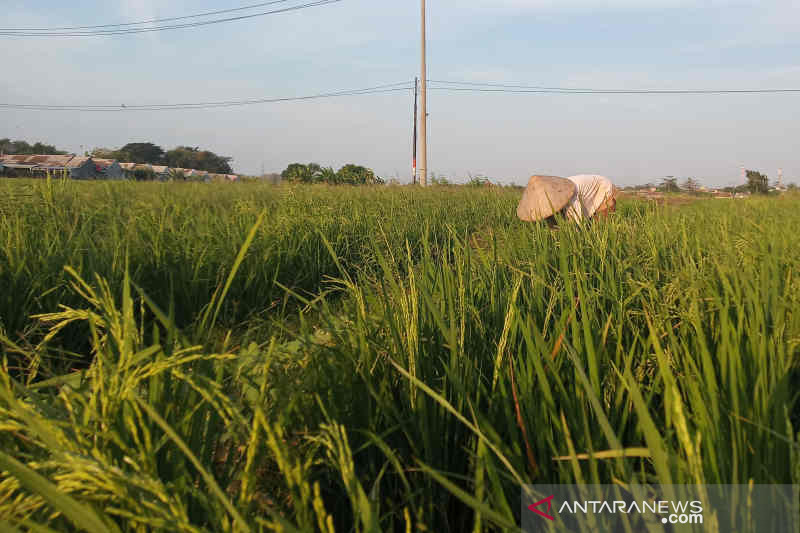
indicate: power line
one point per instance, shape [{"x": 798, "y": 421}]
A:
[
  {"x": 505, "y": 86},
  {"x": 151, "y": 21},
  {"x": 393, "y": 87},
  {"x": 127, "y": 31},
  {"x": 508, "y": 88}
]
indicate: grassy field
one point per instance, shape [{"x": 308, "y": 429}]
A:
[{"x": 190, "y": 357}]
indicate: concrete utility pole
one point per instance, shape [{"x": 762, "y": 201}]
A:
[
  {"x": 414, "y": 136},
  {"x": 423, "y": 136}
]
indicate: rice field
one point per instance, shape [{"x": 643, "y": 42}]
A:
[{"x": 190, "y": 357}]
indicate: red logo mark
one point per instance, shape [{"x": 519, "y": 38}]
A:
[{"x": 533, "y": 507}]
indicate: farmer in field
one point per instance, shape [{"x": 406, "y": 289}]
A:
[{"x": 578, "y": 198}]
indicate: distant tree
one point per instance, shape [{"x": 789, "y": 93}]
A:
[
  {"x": 180, "y": 157},
  {"x": 670, "y": 184},
  {"x": 439, "y": 180},
  {"x": 327, "y": 175},
  {"x": 640, "y": 187},
  {"x": 300, "y": 173},
  {"x": 103, "y": 153},
  {"x": 792, "y": 187},
  {"x": 143, "y": 153},
  {"x": 7, "y": 146},
  {"x": 757, "y": 182},
  {"x": 294, "y": 172},
  {"x": 314, "y": 173},
  {"x": 108, "y": 153},
  {"x": 478, "y": 181},
  {"x": 188, "y": 157},
  {"x": 47, "y": 149},
  {"x": 356, "y": 175}
]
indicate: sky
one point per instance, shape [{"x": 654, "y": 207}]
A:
[{"x": 607, "y": 44}]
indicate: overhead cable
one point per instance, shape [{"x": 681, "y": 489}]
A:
[
  {"x": 393, "y": 87},
  {"x": 151, "y": 21},
  {"x": 184, "y": 25},
  {"x": 514, "y": 88}
]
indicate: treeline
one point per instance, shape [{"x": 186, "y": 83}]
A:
[
  {"x": 314, "y": 173},
  {"x": 180, "y": 157},
  {"x": 7, "y": 146},
  {"x": 757, "y": 183},
  {"x": 140, "y": 153}
]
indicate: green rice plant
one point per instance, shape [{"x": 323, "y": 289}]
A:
[
  {"x": 323, "y": 359},
  {"x": 181, "y": 238}
]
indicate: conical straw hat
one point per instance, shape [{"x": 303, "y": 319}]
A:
[{"x": 544, "y": 196}]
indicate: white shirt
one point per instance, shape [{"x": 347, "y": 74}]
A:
[{"x": 592, "y": 192}]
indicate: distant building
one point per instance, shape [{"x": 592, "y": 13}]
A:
[
  {"x": 179, "y": 173},
  {"x": 138, "y": 171},
  {"x": 11, "y": 158},
  {"x": 198, "y": 175},
  {"x": 15, "y": 166},
  {"x": 161, "y": 172},
  {"x": 81, "y": 168},
  {"x": 50, "y": 165},
  {"x": 127, "y": 170},
  {"x": 108, "y": 169},
  {"x": 220, "y": 178},
  {"x": 86, "y": 168},
  {"x": 43, "y": 166}
]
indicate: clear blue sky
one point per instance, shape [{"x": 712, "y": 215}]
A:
[{"x": 360, "y": 43}]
